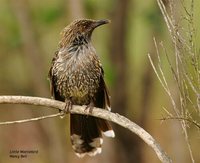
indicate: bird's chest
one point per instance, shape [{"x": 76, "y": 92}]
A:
[{"x": 78, "y": 78}]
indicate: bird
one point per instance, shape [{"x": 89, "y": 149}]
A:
[{"x": 77, "y": 78}]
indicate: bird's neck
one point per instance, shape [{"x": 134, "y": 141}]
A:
[
  {"x": 80, "y": 40},
  {"x": 79, "y": 46},
  {"x": 77, "y": 50},
  {"x": 75, "y": 40}
]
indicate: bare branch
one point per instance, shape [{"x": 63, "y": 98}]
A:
[
  {"x": 97, "y": 112},
  {"x": 31, "y": 119},
  {"x": 182, "y": 118}
]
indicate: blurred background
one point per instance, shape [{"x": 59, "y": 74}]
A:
[{"x": 29, "y": 36}]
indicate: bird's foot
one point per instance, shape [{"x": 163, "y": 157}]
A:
[
  {"x": 89, "y": 108},
  {"x": 67, "y": 108}
]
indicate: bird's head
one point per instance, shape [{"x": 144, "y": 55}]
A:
[{"x": 80, "y": 31}]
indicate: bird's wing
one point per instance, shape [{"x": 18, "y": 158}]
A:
[
  {"x": 102, "y": 97},
  {"x": 54, "y": 93},
  {"x": 107, "y": 104}
]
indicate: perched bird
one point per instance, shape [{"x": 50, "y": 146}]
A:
[{"x": 77, "y": 78}]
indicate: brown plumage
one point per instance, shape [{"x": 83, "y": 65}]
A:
[{"x": 77, "y": 77}]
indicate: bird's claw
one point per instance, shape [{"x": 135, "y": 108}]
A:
[
  {"x": 89, "y": 108},
  {"x": 67, "y": 108}
]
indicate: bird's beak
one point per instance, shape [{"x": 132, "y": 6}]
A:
[{"x": 101, "y": 22}]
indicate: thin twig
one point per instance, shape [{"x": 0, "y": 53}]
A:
[
  {"x": 182, "y": 118},
  {"x": 184, "y": 55},
  {"x": 31, "y": 119}
]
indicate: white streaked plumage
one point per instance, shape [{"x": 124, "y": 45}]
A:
[{"x": 109, "y": 133}]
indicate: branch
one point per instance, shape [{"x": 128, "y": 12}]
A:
[
  {"x": 182, "y": 118},
  {"x": 31, "y": 119},
  {"x": 97, "y": 112}
]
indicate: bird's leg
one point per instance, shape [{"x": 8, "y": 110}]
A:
[
  {"x": 67, "y": 107},
  {"x": 90, "y": 107}
]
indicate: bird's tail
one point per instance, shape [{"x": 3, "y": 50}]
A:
[{"x": 86, "y": 134}]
